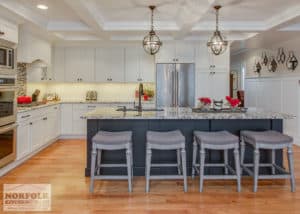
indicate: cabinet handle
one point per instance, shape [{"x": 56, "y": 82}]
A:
[
  {"x": 30, "y": 123},
  {"x": 1, "y": 33},
  {"x": 55, "y": 107},
  {"x": 91, "y": 106},
  {"x": 45, "y": 118},
  {"x": 26, "y": 116}
]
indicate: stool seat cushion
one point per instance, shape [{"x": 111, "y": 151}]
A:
[
  {"x": 219, "y": 137},
  {"x": 170, "y": 137},
  {"x": 266, "y": 137},
  {"x": 105, "y": 137}
]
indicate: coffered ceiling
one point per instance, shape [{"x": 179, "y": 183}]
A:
[{"x": 174, "y": 19}]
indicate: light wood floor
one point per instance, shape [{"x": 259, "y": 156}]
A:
[{"x": 62, "y": 165}]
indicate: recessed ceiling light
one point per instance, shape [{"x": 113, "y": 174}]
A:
[{"x": 42, "y": 7}]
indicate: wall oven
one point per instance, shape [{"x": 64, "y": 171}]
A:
[
  {"x": 8, "y": 105},
  {"x": 7, "y": 144},
  {"x": 6, "y": 58}
]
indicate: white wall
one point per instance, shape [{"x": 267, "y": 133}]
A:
[{"x": 278, "y": 91}]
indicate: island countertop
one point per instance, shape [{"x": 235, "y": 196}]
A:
[{"x": 182, "y": 113}]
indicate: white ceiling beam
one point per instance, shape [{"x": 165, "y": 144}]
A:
[{"x": 89, "y": 14}]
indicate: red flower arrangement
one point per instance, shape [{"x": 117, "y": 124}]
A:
[
  {"x": 233, "y": 102},
  {"x": 205, "y": 100}
]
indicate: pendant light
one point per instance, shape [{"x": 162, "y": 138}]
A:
[
  {"x": 151, "y": 42},
  {"x": 217, "y": 43}
]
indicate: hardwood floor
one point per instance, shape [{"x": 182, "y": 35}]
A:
[{"x": 62, "y": 165}]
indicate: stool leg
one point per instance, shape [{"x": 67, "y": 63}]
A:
[
  {"x": 93, "y": 165},
  {"x": 226, "y": 161},
  {"x": 273, "y": 161},
  {"x": 237, "y": 168},
  {"x": 131, "y": 162},
  {"x": 202, "y": 161},
  {"x": 243, "y": 147},
  {"x": 291, "y": 168},
  {"x": 99, "y": 152},
  {"x": 256, "y": 168},
  {"x": 194, "y": 158},
  {"x": 148, "y": 167},
  {"x": 179, "y": 167},
  {"x": 129, "y": 169},
  {"x": 183, "y": 158}
]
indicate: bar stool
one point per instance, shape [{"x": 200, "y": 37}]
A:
[
  {"x": 220, "y": 140},
  {"x": 270, "y": 140},
  {"x": 104, "y": 140},
  {"x": 172, "y": 140}
]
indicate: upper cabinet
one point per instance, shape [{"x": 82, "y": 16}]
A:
[
  {"x": 32, "y": 47},
  {"x": 79, "y": 64},
  {"x": 109, "y": 66},
  {"x": 206, "y": 60},
  {"x": 9, "y": 31},
  {"x": 58, "y": 64},
  {"x": 139, "y": 66},
  {"x": 176, "y": 52}
]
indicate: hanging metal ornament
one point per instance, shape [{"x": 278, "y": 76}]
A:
[
  {"x": 258, "y": 67},
  {"x": 292, "y": 61},
  {"x": 265, "y": 59},
  {"x": 281, "y": 56},
  {"x": 273, "y": 65}
]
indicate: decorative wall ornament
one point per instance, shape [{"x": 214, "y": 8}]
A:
[
  {"x": 292, "y": 61},
  {"x": 272, "y": 65},
  {"x": 265, "y": 59},
  {"x": 281, "y": 56}
]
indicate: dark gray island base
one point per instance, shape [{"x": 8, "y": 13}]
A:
[{"x": 140, "y": 126}]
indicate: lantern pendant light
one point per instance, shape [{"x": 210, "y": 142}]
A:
[
  {"x": 151, "y": 42},
  {"x": 217, "y": 43}
]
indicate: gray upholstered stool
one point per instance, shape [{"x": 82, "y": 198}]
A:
[
  {"x": 172, "y": 140},
  {"x": 104, "y": 140},
  {"x": 220, "y": 140},
  {"x": 270, "y": 140}
]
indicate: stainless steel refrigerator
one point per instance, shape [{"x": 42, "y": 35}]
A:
[{"x": 175, "y": 85}]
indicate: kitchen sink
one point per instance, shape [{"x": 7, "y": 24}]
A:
[{"x": 135, "y": 109}]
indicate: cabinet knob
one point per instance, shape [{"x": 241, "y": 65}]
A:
[
  {"x": 30, "y": 123},
  {"x": 1, "y": 33}
]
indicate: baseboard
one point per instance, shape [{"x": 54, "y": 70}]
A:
[
  {"x": 16, "y": 163},
  {"x": 72, "y": 137}
]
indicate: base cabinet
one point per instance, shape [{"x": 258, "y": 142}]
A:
[{"x": 36, "y": 128}]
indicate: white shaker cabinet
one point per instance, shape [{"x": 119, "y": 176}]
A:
[
  {"x": 176, "y": 52},
  {"x": 9, "y": 30},
  {"x": 79, "y": 64},
  {"x": 109, "y": 65},
  {"x": 66, "y": 119},
  {"x": 139, "y": 66},
  {"x": 23, "y": 139},
  {"x": 58, "y": 65},
  {"x": 38, "y": 130},
  {"x": 79, "y": 121}
]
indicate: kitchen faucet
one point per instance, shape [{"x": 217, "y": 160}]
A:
[{"x": 141, "y": 93}]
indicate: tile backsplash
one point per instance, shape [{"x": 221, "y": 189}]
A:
[{"x": 107, "y": 92}]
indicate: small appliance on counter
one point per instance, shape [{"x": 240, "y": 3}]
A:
[
  {"x": 91, "y": 96},
  {"x": 51, "y": 97}
]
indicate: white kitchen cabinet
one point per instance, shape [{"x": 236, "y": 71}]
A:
[
  {"x": 38, "y": 133},
  {"x": 139, "y": 66},
  {"x": 206, "y": 60},
  {"x": 10, "y": 31},
  {"x": 58, "y": 65},
  {"x": 79, "y": 121},
  {"x": 66, "y": 119},
  {"x": 32, "y": 47},
  {"x": 79, "y": 64},
  {"x": 23, "y": 139},
  {"x": 213, "y": 85},
  {"x": 176, "y": 52},
  {"x": 109, "y": 65}
]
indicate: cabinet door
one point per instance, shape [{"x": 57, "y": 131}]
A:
[
  {"x": 58, "y": 67},
  {"x": 23, "y": 140},
  {"x": 132, "y": 68},
  {"x": 146, "y": 67},
  {"x": 66, "y": 119},
  {"x": 185, "y": 52},
  {"x": 79, "y": 64},
  {"x": 167, "y": 53},
  {"x": 220, "y": 83},
  {"x": 79, "y": 121},
  {"x": 37, "y": 133},
  {"x": 110, "y": 64},
  {"x": 10, "y": 31}
]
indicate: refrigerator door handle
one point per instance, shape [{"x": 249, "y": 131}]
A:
[
  {"x": 174, "y": 88},
  {"x": 177, "y": 86}
]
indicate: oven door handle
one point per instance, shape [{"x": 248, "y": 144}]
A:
[{"x": 8, "y": 127}]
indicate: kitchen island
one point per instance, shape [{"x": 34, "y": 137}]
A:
[{"x": 186, "y": 121}]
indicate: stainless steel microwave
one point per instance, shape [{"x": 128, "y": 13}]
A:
[{"x": 6, "y": 58}]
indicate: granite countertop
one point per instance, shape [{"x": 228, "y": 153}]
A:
[{"x": 183, "y": 113}]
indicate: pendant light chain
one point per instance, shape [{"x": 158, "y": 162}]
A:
[
  {"x": 152, "y": 25},
  {"x": 217, "y": 19}
]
